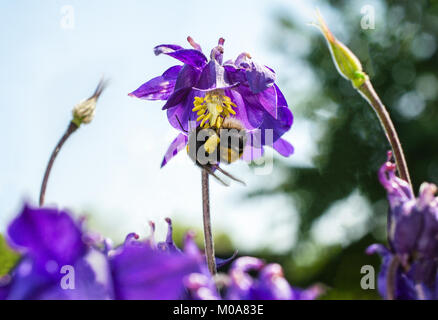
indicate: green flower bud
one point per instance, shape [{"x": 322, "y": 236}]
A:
[
  {"x": 345, "y": 61},
  {"x": 84, "y": 111}
]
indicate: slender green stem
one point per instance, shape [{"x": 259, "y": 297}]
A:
[
  {"x": 368, "y": 92},
  {"x": 71, "y": 128},
  {"x": 208, "y": 237}
]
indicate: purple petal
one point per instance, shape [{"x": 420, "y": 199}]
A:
[
  {"x": 87, "y": 285},
  {"x": 140, "y": 272},
  {"x": 283, "y": 147},
  {"x": 183, "y": 112},
  {"x": 405, "y": 228},
  {"x": 281, "y": 100},
  {"x": 398, "y": 190},
  {"x": 311, "y": 293},
  {"x": 213, "y": 77},
  {"x": 259, "y": 77},
  {"x": 180, "y": 112},
  {"x": 176, "y": 98},
  {"x": 272, "y": 285},
  {"x": 158, "y": 88},
  {"x": 31, "y": 282},
  {"x": 251, "y": 153},
  {"x": 27, "y": 279},
  {"x": 427, "y": 241},
  {"x": 4, "y": 292},
  {"x": 191, "y": 57},
  {"x": 425, "y": 271},
  {"x": 257, "y": 111},
  {"x": 279, "y": 125},
  {"x": 377, "y": 248},
  {"x": 163, "y": 48},
  {"x": 405, "y": 289},
  {"x": 176, "y": 146},
  {"x": 268, "y": 99},
  {"x": 243, "y": 61},
  {"x": 249, "y": 112},
  {"x": 222, "y": 262},
  {"x": 169, "y": 245},
  {"x": 201, "y": 287},
  {"x": 187, "y": 78},
  {"x": 194, "y": 44},
  {"x": 235, "y": 74},
  {"x": 241, "y": 283},
  {"x": 47, "y": 234},
  {"x": 246, "y": 264}
]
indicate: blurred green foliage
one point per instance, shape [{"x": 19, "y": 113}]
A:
[
  {"x": 8, "y": 257},
  {"x": 222, "y": 242},
  {"x": 400, "y": 55}
]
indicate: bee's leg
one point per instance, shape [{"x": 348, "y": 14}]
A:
[
  {"x": 214, "y": 175},
  {"x": 229, "y": 175}
]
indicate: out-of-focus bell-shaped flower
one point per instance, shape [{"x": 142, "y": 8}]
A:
[
  {"x": 412, "y": 237},
  {"x": 345, "y": 61},
  {"x": 50, "y": 239},
  {"x": 240, "y": 284}
]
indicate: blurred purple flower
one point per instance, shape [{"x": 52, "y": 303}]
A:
[
  {"x": 49, "y": 239},
  {"x": 205, "y": 92},
  {"x": 146, "y": 270},
  {"x": 412, "y": 237},
  {"x": 141, "y": 272},
  {"x": 270, "y": 284}
]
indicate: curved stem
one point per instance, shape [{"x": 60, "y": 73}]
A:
[
  {"x": 208, "y": 237},
  {"x": 368, "y": 92},
  {"x": 71, "y": 128}
]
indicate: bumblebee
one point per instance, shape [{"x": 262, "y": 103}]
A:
[{"x": 208, "y": 147}]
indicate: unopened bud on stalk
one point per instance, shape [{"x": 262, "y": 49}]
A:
[
  {"x": 345, "y": 61},
  {"x": 84, "y": 111}
]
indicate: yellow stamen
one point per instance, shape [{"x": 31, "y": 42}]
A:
[
  {"x": 206, "y": 118},
  {"x": 197, "y": 107},
  {"x": 213, "y": 108},
  {"x": 230, "y": 110}
]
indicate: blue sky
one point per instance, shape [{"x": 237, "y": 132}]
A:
[{"x": 110, "y": 168}]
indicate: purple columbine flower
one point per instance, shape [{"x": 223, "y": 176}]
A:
[
  {"x": 412, "y": 257},
  {"x": 206, "y": 92}
]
